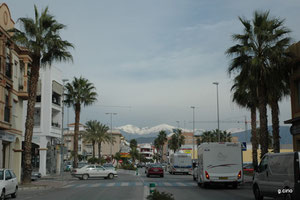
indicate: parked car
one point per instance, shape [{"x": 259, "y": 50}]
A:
[
  {"x": 278, "y": 175},
  {"x": 109, "y": 166},
  {"x": 8, "y": 183},
  {"x": 155, "y": 169},
  {"x": 248, "y": 167},
  {"x": 35, "y": 175},
  {"x": 93, "y": 171}
]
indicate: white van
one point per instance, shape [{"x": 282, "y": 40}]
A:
[
  {"x": 278, "y": 175},
  {"x": 220, "y": 163},
  {"x": 180, "y": 163}
]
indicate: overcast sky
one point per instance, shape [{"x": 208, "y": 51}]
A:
[{"x": 159, "y": 57}]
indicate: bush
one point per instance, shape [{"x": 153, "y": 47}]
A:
[
  {"x": 156, "y": 195},
  {"x": 128, "y": 166},
  {"x": 93, "y": 160}
]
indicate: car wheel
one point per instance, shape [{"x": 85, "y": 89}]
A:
[
  {"x": 234, "y": 185},
  {"x": 14, "y": 195},
  {"x": 205, "y": 185},
  {"x": 257, "y": 193},
  {"x": 288, "y": 196},
  {"x": 85, "y": 176},
  {"x": 2, "y": 197},
  {"x": 110, "y": 176}
]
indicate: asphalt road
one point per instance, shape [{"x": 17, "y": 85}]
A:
[{"x": 132, "y": 187}]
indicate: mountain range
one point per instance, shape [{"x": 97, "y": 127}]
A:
[{"x": 148, "y": 134}]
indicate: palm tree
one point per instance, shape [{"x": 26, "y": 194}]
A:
[
  {"x": 103, "y": 137},
  {"x": 91, "y": 134},
  {"x": 177, "y": 140},
  {"x": 207, "y": 136},
  {"x": 41, "y": 37},
  {"x": 79, "y": 92},
  {"x": 134, "y": 153},
  {"x": 133, "y": 143},
  {"x": 160, "y": 141},
  {"x": 245, "y": 95},
  {"x": 263, "y": 38}
]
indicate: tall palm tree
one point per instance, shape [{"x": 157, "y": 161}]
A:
[
  {"x": 41, "y": 36},
  {"x": 207, "y": 136},
  {"x": 161, "y": 140},
  {"x": 262, "y": 38},
  {"x": 103, "y": 137},
  {"x": 91, "y": 133},
  {"x": 79, "y": 92},
  {"x": 177, "y": 140},
  {"x": 245, "y": 95}
]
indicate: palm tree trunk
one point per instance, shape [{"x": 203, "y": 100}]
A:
[
  {"x": 99, "y": 151},
  {"x": 263, "y": 120},
  {"x": 29, "y": 124},
  {"x": 275, "y": 126},
  {"x": 254, "y": 136},
  {"x": 93, "y": 146},
  {"x": 76, "y": 132}
]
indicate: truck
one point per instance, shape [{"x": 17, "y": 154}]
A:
[
  {"x": 180, "y": 163},
  {"x": 220, "y": 163}
]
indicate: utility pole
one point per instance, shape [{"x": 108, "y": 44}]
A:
[
  {"x": 217, "y": 84},
  {"x": 193, "y": 107},
  {"x": 111, "y": 129}
]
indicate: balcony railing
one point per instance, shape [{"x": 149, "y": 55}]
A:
[
  {"x": 55, "y": 124},
  {"x": 7, "y": 114}
]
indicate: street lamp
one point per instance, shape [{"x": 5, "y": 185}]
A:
[
  {"x": 217, "y": 84},
  {"x": 111, "y": 127},
  {"x": 193, "y": 107},
  {"x": 62, "y": 129}
]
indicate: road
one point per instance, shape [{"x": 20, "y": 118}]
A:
[{"x": 132, "y": 187}]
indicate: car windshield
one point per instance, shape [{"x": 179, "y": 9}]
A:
[{"x": 156, "y": 165}]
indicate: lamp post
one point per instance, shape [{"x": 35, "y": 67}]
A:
[
  {"x": 62, "y": 129},
  {"x": 111, "y": 127},
  {"x": 217, "y": 84},
  {"x": 193, "y": 107}
]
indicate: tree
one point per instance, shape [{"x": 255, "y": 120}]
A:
[
  {"x": 79, "y": 92},
  {"x": 134, "y": 154},
  {"x": 41, "y": 36},
  {"x": 103, "y": 137},
  {"x": 262, "y": 39},
  {"x": 159, "y": 143},
  {"x": 177, "y": 139},
  {"x": 133, "y": 143},
  {"x": 91, "y": 133},
  {"x": 207, "y": 136}
]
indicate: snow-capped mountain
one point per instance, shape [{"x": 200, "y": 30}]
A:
[{"x": 145, "y": 130}]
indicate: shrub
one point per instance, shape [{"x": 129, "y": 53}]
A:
[
  {"x": 128, "y": 166},
  {"x": 92, "y": 160},
  {"x": 156, "y": 195}
]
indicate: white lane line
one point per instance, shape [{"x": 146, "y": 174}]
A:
[
  {"x": 138, "y": 184},
  {"x": 125, "y": 184},
  {"x": 82, "y": 185},
  {"x": 110, "y": 184},
  {"x": 96, "y": 185},
  {"x": 167, "y": 184},
  {"x": 146, "y": 192},
  {"x": 180, "y": 184},
  {"x": 68, "y": 186}
]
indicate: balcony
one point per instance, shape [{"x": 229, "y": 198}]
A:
[
  {"x": 55, "y": 125},
  {"x": 23, "y": 89},
  {"x": 7, "y": 114}
]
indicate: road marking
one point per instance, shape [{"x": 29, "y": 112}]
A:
[
  {"x": 125, "y": 184},
  {"x": 68, "y": 186},
  {"x": 138, "y": 184},
  {"x": 146, "y": 192},
  {"x": 96, "y": 185},
  {"x": 181, "y": 184},
  {"x": 82, "y": 185},
  {"x": 110, "y": 184},
  {"x": 167, "y": 184}
]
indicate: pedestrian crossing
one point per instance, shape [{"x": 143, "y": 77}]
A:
[{"x": 130, "y": 184}]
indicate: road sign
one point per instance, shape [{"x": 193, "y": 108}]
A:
[{"x": 244, "y": 146}]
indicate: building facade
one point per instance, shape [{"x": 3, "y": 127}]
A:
[
  {"x": 14, "y": 64},
  {"x": 147, "y": 150},
  {"x": 295, "y": 97},
  {"x": 47, "y": 130}
]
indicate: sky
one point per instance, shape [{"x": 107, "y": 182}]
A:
[{"x": 152, "y": 60}]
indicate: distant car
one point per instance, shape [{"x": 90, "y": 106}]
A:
[
  {"x": 35, "y": 175},
  {"x": 109, "y": 166},
  {"x": 8, "y": 183},
  {"x": 248, "y": 167},
  {"x": 155, "y": 169},
  {"x": 93, "y": 171}
]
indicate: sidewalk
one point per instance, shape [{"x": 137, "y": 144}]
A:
[{"x": 48, "y": 182}]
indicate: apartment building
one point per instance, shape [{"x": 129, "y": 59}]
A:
[
  {"x": 14, "y": 64},
  {"x": 147, "y": 150},
  {"x": 47, "y": 129}
]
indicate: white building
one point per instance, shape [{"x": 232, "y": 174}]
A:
[
  {"x": 147, "y": 150},
  {"x": 47, "y": 121}
]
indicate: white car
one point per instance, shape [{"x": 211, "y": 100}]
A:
[
  {"x": 8, "y": 183},
  {"x": 93, "y": 171}
]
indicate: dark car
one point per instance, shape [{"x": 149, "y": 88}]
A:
[
  {"x": 248, "y": 167},
  {"x": 155, "y": 169}
]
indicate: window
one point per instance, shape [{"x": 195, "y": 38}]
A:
[
  {"x": 263, "y": 164},
  {"x": 7, "y": 175},
  {"x": 91, "y": 167},
  {"x": 1, "y": 175}
]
